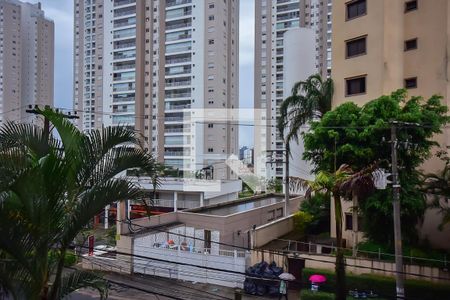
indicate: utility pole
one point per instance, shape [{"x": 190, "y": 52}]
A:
[
  {"x": 399, "y": 275},
  {"x": 286, "y": 153}
]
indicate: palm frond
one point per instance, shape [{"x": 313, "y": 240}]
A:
[{"x": 80, "y": 279}]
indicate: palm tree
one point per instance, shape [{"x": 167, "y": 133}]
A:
[
  {"x": 346, "y": 184},
  {"x": 438, "y": 185},
  {"x": 49, "y": 190},
  {"x": 310, "y": 99}
]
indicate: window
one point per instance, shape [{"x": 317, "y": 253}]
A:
[
  {"x": 211, "y": 42},
  {"x": 210, "y": 150},
  {"x": 348, "y": 222},
  {"x": 411, "y": 83},
  {"x": 410, "y": 6},
  {"x": 356, "y": 8},
  {"x": 410, "y": 44},
  {"x": 210, "y": 125},
  {"x": 211, "y": 18},
  {"x": 356, "y": 47},
  {"x": 211, "y": 5},
  {"x": 355, "y": 86}
]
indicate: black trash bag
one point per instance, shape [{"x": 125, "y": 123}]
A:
[
  {"x": 261, "y": 290},
  {"x": 277, "y": 271},
  {"x": 273, "y": 290},
  {"x": 250, "y": 271},
  {"x": 249, "y": 287}
]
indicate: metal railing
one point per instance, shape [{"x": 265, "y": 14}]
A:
[
  {"x": 123, "y": 2},
  {"x": 315, "y": 248},
  {"x": 177, "y": 2}
]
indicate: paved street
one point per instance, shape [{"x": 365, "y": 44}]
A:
[{"x": 171, "y": 288}]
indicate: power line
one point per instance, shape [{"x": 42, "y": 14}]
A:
[
  {"x": 133, "y": 287},
  {"x": 270, "y": 251}
]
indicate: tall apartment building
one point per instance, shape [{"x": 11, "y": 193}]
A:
[
  {"x": 273, "y": 18},
  {"x": 382, "y": 46},
  {"x": 157, "y": 66},
  {"x": 26, "y": 59}
]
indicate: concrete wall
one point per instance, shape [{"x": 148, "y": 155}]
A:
[
  {"x": 267, "y": 233},
  {"x": 190, "y": 273},
  {"x": 367, "y": 266}
]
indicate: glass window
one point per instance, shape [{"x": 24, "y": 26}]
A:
[
  {"x": 356, "y": 47},
  {"x": 410, "y": 44},
  {"x": 355, "y": 86},
  {"x": 411, "y": 83},
  {"x": 410, "y": 6},
  {"x": 356, "y": 9}
]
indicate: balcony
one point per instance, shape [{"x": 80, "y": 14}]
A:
[
  {"x": 123, "y": 2},
  {"x": 177, "y": 153},
  {"x": 178, "y": 83},
  {"x": 178, "y": 13},
  {"x": 177, "y": 59},
  {"x": 125, "y": 22},
  {"x": 177, "y": 130},
  {"x": 125, "y": 54},
  {"x": 178, "y": 24},
  {"x": 125, "y": 11},
  {"x": 177, "y": 107},
  {"x": 124, "y": 33},
  {"x": 126, "y": 66},
  {"x": 170, "y": 3}
]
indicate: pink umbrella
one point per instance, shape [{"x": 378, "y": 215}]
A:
[{"x": 317, "y": 278}]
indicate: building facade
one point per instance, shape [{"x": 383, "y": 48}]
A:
[
  {"x": 157, "y": 66},
  {"x": 408, "y": 49},
  {"x": 382, "y": 46},
  {"x": 26, "y": 59},
  {"x": 273, "y": 18}
]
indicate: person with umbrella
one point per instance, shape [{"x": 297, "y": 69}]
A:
[{"x": 283, "y": 290}]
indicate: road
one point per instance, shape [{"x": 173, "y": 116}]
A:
[{"x": 173, "y": 289}]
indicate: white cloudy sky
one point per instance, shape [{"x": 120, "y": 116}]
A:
[{"x": 61, "y": 12}]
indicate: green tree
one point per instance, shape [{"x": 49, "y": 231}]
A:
[
  {"x": 310, "y": 99},
  {"x": 358, "y": 136},
  {"x": 342, "y": 184},
  {"x": 49, "y": 190}
]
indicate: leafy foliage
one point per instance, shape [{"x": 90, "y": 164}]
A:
[
  {"x": 310, "y": 99},
  {"x": 301, "y": 221},
  {"x": 318, "y": 206},
  {"x": 358, "y": 136},
  {"x": 50, "y": 189}
]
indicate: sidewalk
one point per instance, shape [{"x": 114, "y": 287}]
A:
[{"x": 168, "y": 287}]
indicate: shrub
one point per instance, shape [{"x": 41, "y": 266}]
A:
[
  {"x": 70, "y": 259},
  {"x": 301, "y": 221},
  {"x": 309, "y": 295},
  {"x": 382, "y": 285}
]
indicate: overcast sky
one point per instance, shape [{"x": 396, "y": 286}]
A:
[{"x": 61, "y": 12}]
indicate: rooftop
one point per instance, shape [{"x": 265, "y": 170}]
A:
[{"x": 234, "y": 207}]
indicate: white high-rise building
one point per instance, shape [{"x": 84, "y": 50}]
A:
[
  {"x": 273, "y": 18},
  {"x": 26, "y": 59},
  {"x": 157, "y": 66}
]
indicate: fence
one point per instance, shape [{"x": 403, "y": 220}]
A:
[
  {"x": 175, "y": 269},
  {"x": 314, "y": 248}
]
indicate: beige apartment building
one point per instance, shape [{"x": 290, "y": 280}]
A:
[
  {"x": 382, "y": 45},
  {"x": 273, "y": 19},
  {"x": 156, "y": 66},
  {"x": 26, "y": 59}
]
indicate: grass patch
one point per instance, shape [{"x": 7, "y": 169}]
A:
[
  {"x": 309, "y": 295},
  {"x": 382, "y": 285}
]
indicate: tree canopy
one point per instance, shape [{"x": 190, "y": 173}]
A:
[{"x": 360, "y": 135}]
